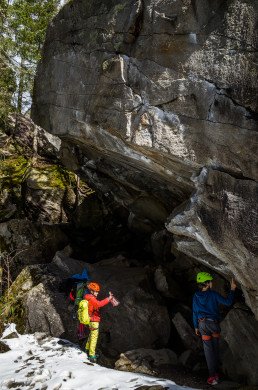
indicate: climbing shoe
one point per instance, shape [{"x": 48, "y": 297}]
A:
[
  {"x": 212, "y": 381},
  {"x": 93, "y": 358}
]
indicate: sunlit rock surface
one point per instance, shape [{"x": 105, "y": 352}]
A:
[{"x": 145, "y": 95}]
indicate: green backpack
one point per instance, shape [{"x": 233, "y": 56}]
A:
[
  {"x": 83, "y": 312},
  {"x": 80, "y": 292}
]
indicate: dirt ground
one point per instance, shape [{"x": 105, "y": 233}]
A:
[
  {"x": 198, "y": 380},
  {"x": 185, "y": 377}
]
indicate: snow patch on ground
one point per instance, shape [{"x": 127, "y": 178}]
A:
[{"x": 38, "y": 361}]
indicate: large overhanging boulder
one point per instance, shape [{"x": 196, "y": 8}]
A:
[
  {"x": 163, "y": 91},
  {"x": 146, "y": 94},
  {"x": 167, "y": 82}
]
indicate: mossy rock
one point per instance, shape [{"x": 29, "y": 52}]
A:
[
  {"x": 3, "y": 347},
  {"x": 26, "y": 280},
  {"x": 15, "y": 169},
  {"x": 12, "y": 171},
  {"x": 50, "y": 176},
  {"x": 12, "y": 313},
  {"x": 14, "y": 310}
]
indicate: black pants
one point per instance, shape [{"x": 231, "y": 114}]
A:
[{"x": 210, "y": 332}]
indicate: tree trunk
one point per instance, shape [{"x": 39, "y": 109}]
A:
[
  {"x": 1, "y": 281},
  {"x": 21, "y": 87},
  {"x": 35, "y": 143}
]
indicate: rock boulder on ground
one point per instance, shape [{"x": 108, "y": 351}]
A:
[
  {"x": 146, "y": 361},
  {"x": 240, "y": 355},
  {"x": 3, "y": 347},
  {"x": 186, "y": 333}
]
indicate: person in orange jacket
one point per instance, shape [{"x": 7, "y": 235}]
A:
[{"x": 94, "y": 313}]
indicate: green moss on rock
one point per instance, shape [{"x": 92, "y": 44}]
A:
[
  {"x": 12, "y": 171},
  {"x": 54, "y": 176},
  {"x": 13, "y": 310},
  {"x": 15, "y": 169}
]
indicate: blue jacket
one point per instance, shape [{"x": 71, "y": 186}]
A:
[{"x": 205, "y": 304}]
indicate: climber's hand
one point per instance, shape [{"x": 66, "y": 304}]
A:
[{"x": 233, "y": 284}]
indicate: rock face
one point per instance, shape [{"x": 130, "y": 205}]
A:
[
  {"x": 31, "y": 243},
  {"x": 41, "y": 310},
  {"x": 33, "y": 138},
  {"x": 239, "y": 333},
  {"x": 155, "y": 103},
  {"x": 38, "y": 195}
]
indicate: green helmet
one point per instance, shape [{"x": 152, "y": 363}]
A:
[{"x": 203, "y": 277}]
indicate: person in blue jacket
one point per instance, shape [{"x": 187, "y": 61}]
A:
[{"x": 206, "y": 319}]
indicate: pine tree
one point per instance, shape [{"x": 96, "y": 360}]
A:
[
  {"x": 7, "y": 88},
  {"x": 7, "y": 76},
  {"x": 23, "y": 29}
]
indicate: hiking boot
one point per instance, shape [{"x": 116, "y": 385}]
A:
[
  {"x": 217, "y": 377},
  {"x": 212, "y": 381},
  {"x": 87, "y": 351},
  {"x": 93, "y": 358}
]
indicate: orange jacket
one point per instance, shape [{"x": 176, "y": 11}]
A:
[{"x": 94, "y": 305}]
